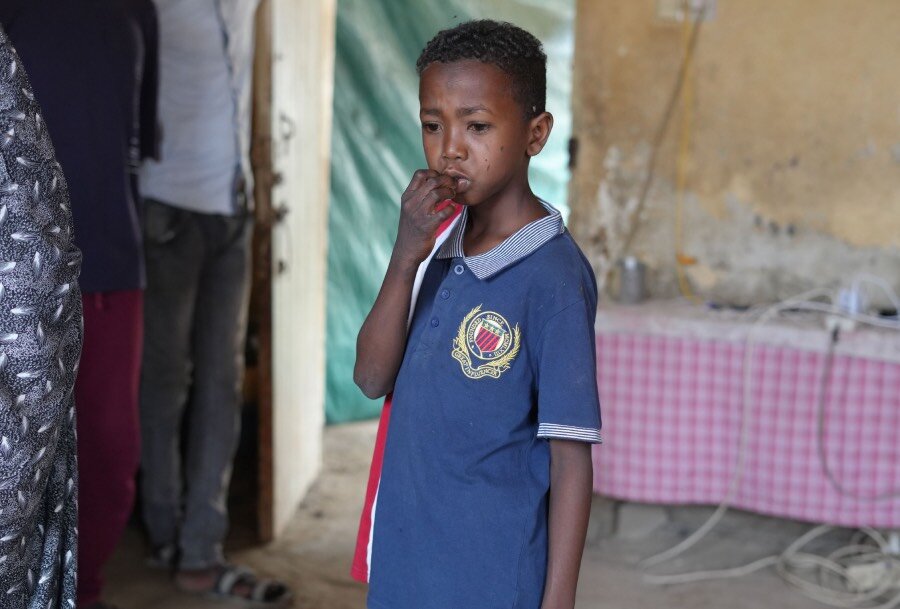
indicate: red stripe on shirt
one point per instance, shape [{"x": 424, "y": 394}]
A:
[{"x": 359, "y": 570}]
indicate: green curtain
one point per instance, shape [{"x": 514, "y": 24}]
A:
[{"x": 376, "y": 145}]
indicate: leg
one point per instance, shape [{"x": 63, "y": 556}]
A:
[
  {"x": 106, "y": 398},
  {"x": 174, "y": 251},
  {"x": 218, "y": 350},
  {"x": 219, "y": 335}
]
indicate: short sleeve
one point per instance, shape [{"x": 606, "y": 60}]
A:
[{"x": 568, "y": 402}]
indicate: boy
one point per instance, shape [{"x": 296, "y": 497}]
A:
[{"x": 485, "y": 489}]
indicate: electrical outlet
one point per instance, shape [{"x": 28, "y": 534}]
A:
[{"x": 674, "y": 10}]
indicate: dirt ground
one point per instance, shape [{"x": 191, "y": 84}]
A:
[{"x": 314, "y": 554}]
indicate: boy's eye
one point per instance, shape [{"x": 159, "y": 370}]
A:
[
  {"x": 431, "y": 127},
  {"x": 479, "y": 127}
]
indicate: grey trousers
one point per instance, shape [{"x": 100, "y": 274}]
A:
[{"x": 195, "y": 321}]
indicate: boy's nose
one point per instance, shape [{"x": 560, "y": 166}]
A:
[{"x": 454, "y": 146}]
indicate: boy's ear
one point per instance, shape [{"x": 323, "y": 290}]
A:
[{"x": 539, "y": 129}]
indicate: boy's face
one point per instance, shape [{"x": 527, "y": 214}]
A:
[{"x": 473, "y": 129}]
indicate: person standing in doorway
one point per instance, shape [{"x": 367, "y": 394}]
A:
[
  {"x": 197, "y": 233},
  {"x": 93, "y": 68}
]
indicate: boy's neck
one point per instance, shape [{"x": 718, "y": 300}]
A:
[{"x": 494, "y": 220}]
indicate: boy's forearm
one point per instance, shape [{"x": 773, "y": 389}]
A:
[
  {"x": 571, "y": 481},
  {"x": 382, "y": 338}
]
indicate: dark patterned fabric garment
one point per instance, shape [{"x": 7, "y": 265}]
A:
[{"x": 40, "y": 343}]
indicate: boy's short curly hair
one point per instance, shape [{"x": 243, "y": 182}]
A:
[{"x": 509, "y": 47}]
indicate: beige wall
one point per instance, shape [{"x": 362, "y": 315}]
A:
[{"x": 794, "y": 179}]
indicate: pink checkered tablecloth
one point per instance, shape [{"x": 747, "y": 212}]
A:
[{"x": 672, "y": 404}]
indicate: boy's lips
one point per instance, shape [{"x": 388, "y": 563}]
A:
[
  {"x": 463, "y": 182},
  {"x": 462, "y": 185}
]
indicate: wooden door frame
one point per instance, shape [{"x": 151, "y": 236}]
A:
[
  {"x": 261, "y": 302},
  {"x": 284, "y": 63}
]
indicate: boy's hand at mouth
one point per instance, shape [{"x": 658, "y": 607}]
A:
[
  {"x": 421, "y": 213},
  {"x": 382, "y": 338}
]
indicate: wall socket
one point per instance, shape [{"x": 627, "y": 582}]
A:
[{"x": 674, "y": 10}]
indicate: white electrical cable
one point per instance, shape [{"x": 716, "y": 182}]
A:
[
  {"x": 792, "y": 559},
  {"x": 872, "y": 320},
  {"x": 734, "y": 484},
  {"x": 737, "y": 475},
  {"x": 686, "y": 578},
  {"x": 820, "y": 437}
]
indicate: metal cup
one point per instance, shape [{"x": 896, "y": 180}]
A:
[{"x": 631, "y": 280}]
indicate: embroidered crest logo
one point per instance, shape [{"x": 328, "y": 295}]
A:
[{"x": 485, "y": 345}]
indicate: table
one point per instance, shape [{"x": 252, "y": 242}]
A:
[{"x": 671, "y": 387}]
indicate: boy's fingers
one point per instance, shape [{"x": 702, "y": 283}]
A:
[
  {"x": 448, "y": 181},
  {"x": 435, "y": 186},
  {"x": 418, "y": 180},
  {"x": 437, "y": 181},
  {"x": 437, "y": 195}
]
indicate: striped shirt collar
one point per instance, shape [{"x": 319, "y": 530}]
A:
[{"x": 515, "y": 247}]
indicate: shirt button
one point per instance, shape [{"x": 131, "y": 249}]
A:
[
  {"x": 458, "y": 269},
  {"x": 435, "y": 322},
  {"x": 445, "y": 294}
]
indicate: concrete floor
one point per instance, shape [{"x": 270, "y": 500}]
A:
[{"x": 314, "y": 554}]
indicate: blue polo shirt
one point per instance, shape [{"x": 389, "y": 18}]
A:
[{"x": 500, "y": 358}]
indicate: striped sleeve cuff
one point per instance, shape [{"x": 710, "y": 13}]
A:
[{"x": 567, "y": 432}]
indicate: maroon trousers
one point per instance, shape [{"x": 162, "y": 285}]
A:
[{"x": 106, "y": 404}]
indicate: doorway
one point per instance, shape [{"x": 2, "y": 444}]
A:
[{"x": 281, "y": 449}]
